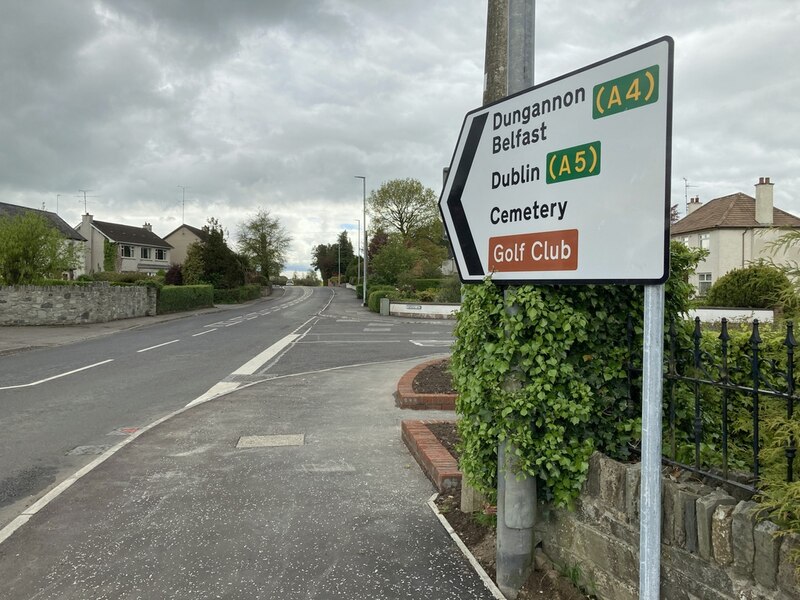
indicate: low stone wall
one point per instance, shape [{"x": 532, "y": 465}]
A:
[
  {"x": 74, "y": 304},
  {"x": 423, "y": 310},
  {"x": 738, "y": 315},
  {"x": 713, "y": 548}
]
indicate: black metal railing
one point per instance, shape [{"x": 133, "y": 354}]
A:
[{"x": 718, "y": 394}]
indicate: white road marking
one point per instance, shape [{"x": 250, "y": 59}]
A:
[
  {"x": 431, "y": 342},
  {"x": 234, "y": 323},
  {"x": 377, "y": 329},
  {"x": 204, "y": 332},
  {"x": 24, "y": 385},
  {"x": 254, "y": 364},
  {"x": 157, "y": 346},
  {"x": 219, "y": 389}
]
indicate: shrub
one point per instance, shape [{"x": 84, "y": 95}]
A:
[
  {"x": 551, "y": 378},
  {"x": 173, "y": 298},
  {"x": 450, "y": 289},
  {"x": 427, "y": 284},
  {"x": 174, "y": 276},
  {"x": 755, "y": 286},
  {"x": 374, "y": 301},
  {"x": 237, "y": 295}
]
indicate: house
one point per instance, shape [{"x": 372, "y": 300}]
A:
[
  {"x": 736, "y": 230},
  {"x": 137, "y": 248},
  {"x": 180, "y": 240},
  {"x": 70, "y": 235}
]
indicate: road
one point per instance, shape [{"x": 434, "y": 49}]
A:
[{"x": 60, "y": 407}]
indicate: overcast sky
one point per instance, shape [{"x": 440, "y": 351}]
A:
[{"x": 278, "y": 104}]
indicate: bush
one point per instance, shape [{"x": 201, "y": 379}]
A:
[
  {"x": 174, "y": 276},
  {"x": 237, "y": 295},
  {"x": 427, "y": 284},
  {"x": 450, "y": 290},
  {"x": 374, "y": 301},
  {"x": 174, "y": 298},
  {"x": 756, "y": 286},
  {"x": 551, "y": 378}
]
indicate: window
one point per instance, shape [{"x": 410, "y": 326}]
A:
[
  {"x": 126, "y": 251},
  {"x": 705, "y": 241},
  {"x": 161, "y": 254},
  {"x": 705, "y": 283},
  {"x": 685, "y": 239},
  {"x": 145, "y": 252}
]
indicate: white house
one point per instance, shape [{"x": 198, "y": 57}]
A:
[
  {"x": 736, "y": 230},
  {"x": 137, "y": 248}
]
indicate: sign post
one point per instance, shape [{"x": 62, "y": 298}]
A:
[{"x": 569, "y": 182}]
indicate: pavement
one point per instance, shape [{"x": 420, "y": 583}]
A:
[{"x": 296, "y": 487}]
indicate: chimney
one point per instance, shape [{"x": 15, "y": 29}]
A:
[
  {"x": 694, "y": 204},
  {"x": 86, "y": 225},
  {"x": 764, "y": 201},
  {"x": 148, "y": 227}
]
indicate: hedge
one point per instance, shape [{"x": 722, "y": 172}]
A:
[
  {"x": 427, "y": 284},
  {"x": 177, "y": 298},
  {"x": 237, "y": 295}
]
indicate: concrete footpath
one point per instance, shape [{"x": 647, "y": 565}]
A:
[{"x": 297, "y": 487}]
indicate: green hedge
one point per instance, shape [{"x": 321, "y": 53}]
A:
[
  {"x": 237, "y": 295},
  {"x": 178, "y": 298},
  {"x": 427, "y": 284},
  {"x": 374, "y": 302}
]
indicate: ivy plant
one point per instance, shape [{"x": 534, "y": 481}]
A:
[{"x": 546, "y": 369}]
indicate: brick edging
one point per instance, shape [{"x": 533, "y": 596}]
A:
[
  {"x": 434, "y": 459},
  {"x": 408, "y": 398}
]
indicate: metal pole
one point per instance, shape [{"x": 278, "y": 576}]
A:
[
  {"x": 516, "y": 494},
  {"x": 358, "y": 253},
  {"x": 650, "y": 493},
  {"x": 366, "y": 240},
  {"x": 339, "y": 273}
]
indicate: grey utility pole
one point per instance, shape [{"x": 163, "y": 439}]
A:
[{"x": 516, "y": 493}]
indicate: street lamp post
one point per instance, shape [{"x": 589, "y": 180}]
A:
[
  {"x": 358, "y": 253},
  {"x": 366, "y": 240}
]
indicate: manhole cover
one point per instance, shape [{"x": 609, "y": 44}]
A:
[{"x": 270, "y": 441}]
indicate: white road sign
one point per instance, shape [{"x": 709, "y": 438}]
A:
[{"x": 569, "y": 181}]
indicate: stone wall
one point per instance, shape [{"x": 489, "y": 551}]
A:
[
  {"x": 74, "y": 304},
  {"x": 713, "y": 548}
]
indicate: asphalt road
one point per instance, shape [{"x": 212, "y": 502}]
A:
[{"x": 60, "y": 407}]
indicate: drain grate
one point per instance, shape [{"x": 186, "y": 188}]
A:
[{"x": 270, "y": 441}]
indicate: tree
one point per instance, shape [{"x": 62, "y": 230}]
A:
[
  {"x": 327, "y": 259},
  {"x": 31, "y": 248},
  {"x": 265, "y": 242},
  {"x": 324, "y": 258},
  {"x": 394, "y": 260},
  {"x": 212, "y": 261},
  {"x": 403, "y": 206}
]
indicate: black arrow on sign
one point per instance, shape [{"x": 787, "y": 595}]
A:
[{"x": 471, "y": 259}]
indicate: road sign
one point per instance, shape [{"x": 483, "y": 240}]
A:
[{"x": 568, "y": 181}]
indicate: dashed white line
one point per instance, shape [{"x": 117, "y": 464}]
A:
[
  {"x": 204, "y": 332},
  {"x": 157, "y": 346}
]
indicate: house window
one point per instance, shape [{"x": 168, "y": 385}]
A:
[
  {"x": 705, "y": 283},
  {"x": 685, "y": 239},
  {"x": 161, "y": 254},
  {"x": 146, "y": 253},
  {"x": 705, "y": 241},
  {"x": 126, "y": 251}
]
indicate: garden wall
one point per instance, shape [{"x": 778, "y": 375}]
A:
[
  {"x": 423, "y": 310},
  {"x": 74, "y": 304},
  {"x": 712, "y": 546}
]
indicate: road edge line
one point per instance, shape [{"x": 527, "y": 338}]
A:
[{"x": 487, "y": 581}]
